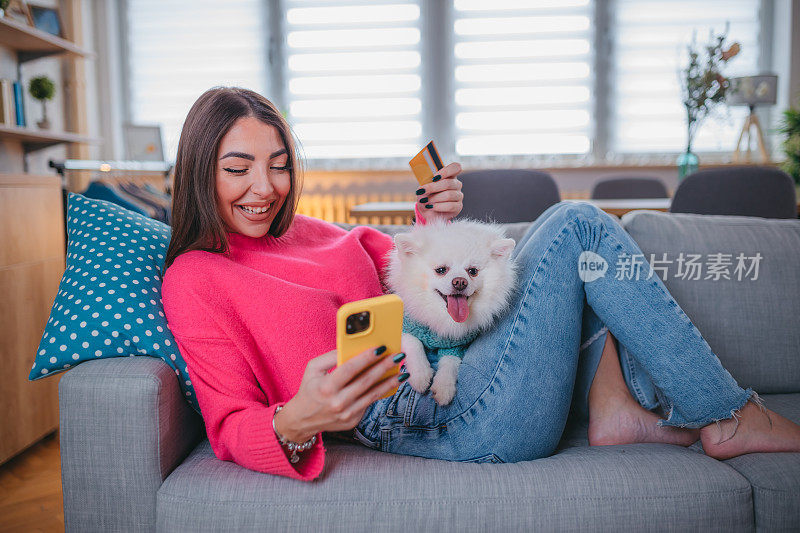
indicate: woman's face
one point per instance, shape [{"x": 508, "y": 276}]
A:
[{"x": 252, "y": 179}]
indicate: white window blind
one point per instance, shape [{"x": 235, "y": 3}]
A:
[
  {"x": 177, "y": 50},
  {"x": 353, "y": 77},
  {"x": 650, "y": 49},
  {"x": 523, "y": 76}
]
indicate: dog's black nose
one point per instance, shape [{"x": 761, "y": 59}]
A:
[{"x": 459, "y": 284}]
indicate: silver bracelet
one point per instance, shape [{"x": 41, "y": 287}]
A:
[{"x": 293, "y": 447}]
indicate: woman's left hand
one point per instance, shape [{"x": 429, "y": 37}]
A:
[{"x": 444, "y": 195}]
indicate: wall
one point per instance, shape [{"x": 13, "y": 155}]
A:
[{"x": 11, "y": 152}]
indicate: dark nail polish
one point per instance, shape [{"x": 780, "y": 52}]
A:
[
  {"x": 399, "y": 357},
  {"x": 420, "y": 191},
  {"x": 402, "y": 377},
  {"x": 380, "y": 350},
  {"x": 428, "y": 206},
  {"x": 423, "y": 200},
  {"x": 437, "y": 177}
]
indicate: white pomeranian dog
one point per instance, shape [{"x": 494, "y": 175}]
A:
[{"x": 455, "y": 278}]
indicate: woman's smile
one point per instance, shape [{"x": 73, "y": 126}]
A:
[{"x": 252, "y": 212}]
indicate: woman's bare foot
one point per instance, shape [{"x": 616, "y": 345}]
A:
[
  {"x": 616, "y": 418},
  {"x": 757, "y": 431}
]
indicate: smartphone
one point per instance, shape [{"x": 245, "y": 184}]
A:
[
  {"x": 426, "y": 164},
  {"x": 367, "y": 324}
]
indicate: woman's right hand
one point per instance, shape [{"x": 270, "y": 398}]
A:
[{"x": 335, "y": 401}]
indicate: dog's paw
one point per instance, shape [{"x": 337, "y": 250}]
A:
[
  {"x": 420, "y": 376},
  {"x": 416, "y": 363},
  {"x": 443, "y": 388}
]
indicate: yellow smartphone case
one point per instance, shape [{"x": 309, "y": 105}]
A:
[
  {"x": 385, "y": 328},
  {"x": 426, "y": 164}
]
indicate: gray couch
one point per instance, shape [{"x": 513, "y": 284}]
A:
[{"x": 135, "y": 456}]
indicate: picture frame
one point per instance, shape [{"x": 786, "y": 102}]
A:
[
  {"x": 46, "y": 19},
  {"x": 143, "y": 142},
  {"x": 18, "y": 11}
]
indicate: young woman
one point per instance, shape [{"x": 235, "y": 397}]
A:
[{"x": 251, "y": 292}]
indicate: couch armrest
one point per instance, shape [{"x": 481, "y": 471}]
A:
[{"x": 124, "y": 427}]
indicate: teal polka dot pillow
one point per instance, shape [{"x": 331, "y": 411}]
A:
[{"x": 109, "y": 301}]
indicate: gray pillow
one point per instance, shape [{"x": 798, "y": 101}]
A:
[{"x": 752, "y": 323}]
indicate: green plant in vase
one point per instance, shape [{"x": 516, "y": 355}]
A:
[
  {"x": 703, "y": 88},
  {"x": 43, "y": 89},
  {"x": 790, "y": 126}
]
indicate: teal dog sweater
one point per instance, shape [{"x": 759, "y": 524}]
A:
[{"x": 435, "y": 346}]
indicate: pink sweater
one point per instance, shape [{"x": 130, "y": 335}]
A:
[{"x": 248, "y": 322}]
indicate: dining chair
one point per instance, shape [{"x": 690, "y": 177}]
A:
[
  {"x": 754, "y": 191},
  {"x": 507, "y": 195},
  {"x": 629, "y": 187}
]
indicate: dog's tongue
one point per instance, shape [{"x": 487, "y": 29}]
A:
[{"x": 457, "y": 307}]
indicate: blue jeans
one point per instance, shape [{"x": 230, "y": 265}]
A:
[{"x": 520, "y": 379}]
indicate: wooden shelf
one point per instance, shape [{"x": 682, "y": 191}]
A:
[
  {"x": 32, "y": 261},
  {"x": 37, "y": 139},
  {"x": 31, "y": 43}
]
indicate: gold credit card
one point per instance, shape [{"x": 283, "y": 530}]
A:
[{"x": 426, "y": 164}]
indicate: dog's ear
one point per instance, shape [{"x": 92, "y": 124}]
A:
[
  {"x": 405, "y": 244},
  {"x": 502, "y": 248}
]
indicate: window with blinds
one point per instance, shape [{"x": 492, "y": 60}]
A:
[
  {"x": 650, "y": 49},
  {"x": 522, "y": 77},
  {"x": 523, "y": 81},
  {"x": 353, "y": 77},
  {"x": 177, "y": 50}
]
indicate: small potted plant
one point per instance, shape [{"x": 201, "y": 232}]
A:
[
  {"x": 43, "y": 89},
  {"x": 3, "y": 6},
  {"x": 790, "y": 126},
  {"x": 703, "y": 88}
]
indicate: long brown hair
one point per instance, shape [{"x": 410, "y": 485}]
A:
[{"x": 196, "y": 224}]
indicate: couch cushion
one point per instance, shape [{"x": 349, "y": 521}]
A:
[
  {"x": 109, "y": 299},
  {"x": 752, "y": 323},
  {"x": 632, "y": 487},
  {"x": 775, "y": 477}
]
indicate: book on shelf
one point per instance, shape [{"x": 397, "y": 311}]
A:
[
  {"x": 18, "y": 104},
  {"x": 7, "y": 108}
]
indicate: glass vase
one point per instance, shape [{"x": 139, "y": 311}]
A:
[{"x": 687, "y": 163}]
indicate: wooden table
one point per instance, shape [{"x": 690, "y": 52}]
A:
[
  {"x": 612, "y": 206},
  {"x": 383, "y": 209},
  {"x": 622, "y": 205}
]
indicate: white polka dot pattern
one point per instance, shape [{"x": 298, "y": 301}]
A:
[{"x": 109, "y": 300}]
